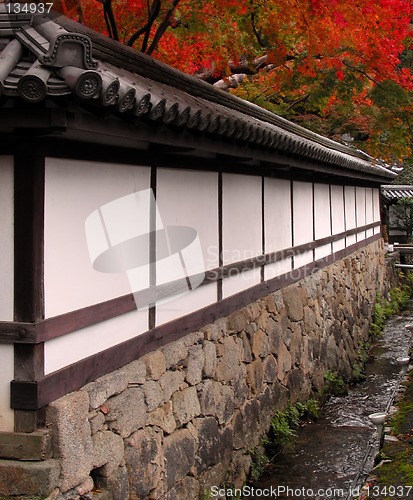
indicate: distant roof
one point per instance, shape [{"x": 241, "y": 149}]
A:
[
  {"x": 50, "y": 57},
  {"x": 394, "y": 192}
]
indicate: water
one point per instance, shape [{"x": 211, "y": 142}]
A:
[{"x": 332, "y": 458}]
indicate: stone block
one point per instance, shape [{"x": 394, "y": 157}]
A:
[
  {"x": 260, "y": 344},
  {"x": 186, "y": 489},
  {"x": 240, "y": 386},
  {"x": 145, "y": 461},
  {"x": 72, "y": 442},
  {"x": 28, "y": 478},
  {"x": 293, "y": 303},
  {"x": 217, "y": 400},
  {"x": 115, "y": 487},
  {"x": 163, "y": 418},
  {"x": 251, "y": 415},
  {"x": 269, "y": 369},
  {"x": 214, "y": 444},
  {"x": 97, "y": 421},
  {"x": 284, "y": 363},
  {"x": 237, "y": 321},
  {"x": 228, "y": 364},
  {"x": 255, "y": 376},
  {"x": 104, "y": 387},
  {"x": 108, "y": 452},
  {"x": 172, "y": 381},
  {"x": 135, "y": 372},
  {"x": 185, "y": 405},
  {"x": 179, "y": 449},
  {"x": 174, "y": 353},
  {"x": 210, "y": 364},
  {"x": 127, "y": 412},
  {"x": 155, "y": 364},
  {"x": 195, "y": 365},
  {"x": 153, "y": 394},
  {"x": 238, "y": 430}
]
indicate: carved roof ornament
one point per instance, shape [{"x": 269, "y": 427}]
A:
[{"x": 55, "y": 46}]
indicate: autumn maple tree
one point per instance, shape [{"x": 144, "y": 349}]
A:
[{"x": 341, "y": 67}]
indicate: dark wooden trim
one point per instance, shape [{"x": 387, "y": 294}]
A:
[
  {"x": 292, "y": 219},
  {"x": 29, "y": 177},
  {"x": 29, "y": 191},
  {"x": 220, "y": 233},
  {"x": 36, "y": 394},
  {"x": 57, "y": 326},
  {"x": 51, "y": 328},
  {"x": 12, "y": 332},
  {"x": 313, "y": 213},
  {"x": 152, "y": 250},
  {"x": 262, "y": 224}
]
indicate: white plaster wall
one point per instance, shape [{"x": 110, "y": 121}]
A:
[
  {"x": 6, "y": 376},
  {"x": 277, "y": 268},
  {"x": 277, "y": 214},
  {"x": 369, "y": 211},
  {"x": 322, "y": 218},
  {"x": 376, "y": 209},
  {"x": 239, "y": 281},
  {"x": 187, "y": 303},
  {"x": 350, "y": 207},
  {"x": 241, "y": 214},
  {"x": 6, "y": 238},
  {"x": 241, "y": 227},
  {"x": 189, "y": 198},
  {"x": 337, "y": 215},
  {"x": 62, "y": 351},
  {"x": 361, "y": 211},
  {"x": 74, "y": 189},
  {"x": 302, "y": 219},
  {"x": 6, "y": 288}
]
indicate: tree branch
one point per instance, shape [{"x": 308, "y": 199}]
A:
[
  {"x": 162, "y": 27},
  {"x": 110, "y": 20},
  {"x": 146, "y": 29}
]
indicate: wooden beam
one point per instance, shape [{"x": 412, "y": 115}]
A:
[{"x": 29, "y": 176}]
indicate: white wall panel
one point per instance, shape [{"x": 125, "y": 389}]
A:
[
  {"x": 6, "y": 288},
  {"x": 277, "y": 214},
  {"x": 190, "y": 198},
  {"x": 277, "y": 268},
  {"x": 6, "y": 376},
  {"x": 361, "y": 211},
  {"x": 240, "y": 281},
  {"x": 350, "y": 208},
  {"x": 74, "y": 189},
  {"x": 185, "y": 304},
  {"x": 337, "y": 215},
  {"x": 369, "y": 211},
  {"x": 376, "y": 205},
  {"x": 302, "y": 219},
  {"x": 302, "y": 212},
  {"x": 6, "y": 238},
  {"x": 242, "y": 217},
  {"x": 322, "y": 218},
  {"x": 62, "y": 351}
]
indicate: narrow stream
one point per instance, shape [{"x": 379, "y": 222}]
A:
[{"x": 332, "y": 458}]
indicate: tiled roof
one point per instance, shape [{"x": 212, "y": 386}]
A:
[
  {"x": 393, "y": 192},
  {"x": 46, "y": 56}
]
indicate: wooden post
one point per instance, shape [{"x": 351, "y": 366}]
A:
[{"x": 29, "y": 174}]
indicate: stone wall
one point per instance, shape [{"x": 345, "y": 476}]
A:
[{"x": 182, "y": 419}]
